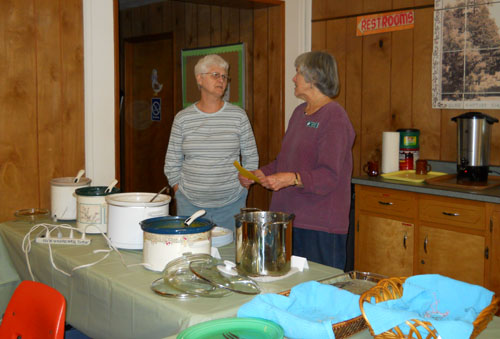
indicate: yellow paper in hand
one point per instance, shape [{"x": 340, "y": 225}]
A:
[{"x": 246, "y": 173}]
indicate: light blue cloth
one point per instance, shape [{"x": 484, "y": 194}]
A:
[
  {"x": 450, "y": 305},
  {"x": 308, "y": 312}
]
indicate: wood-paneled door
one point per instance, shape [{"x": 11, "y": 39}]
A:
[{"x": 148, "y": 116}]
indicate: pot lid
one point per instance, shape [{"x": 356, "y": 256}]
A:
[
  {"x": 475, "y": 115},
  {"x": 248, "y": 328},
  {"x": 175, "y": 225},
  {"x": 94, "y": 191},
  {"x": 159, "y": 286},
  {"x": 140, "y": 199},
  {"x": 224, "y": 276},
  {"x": 178, "y": 276}
]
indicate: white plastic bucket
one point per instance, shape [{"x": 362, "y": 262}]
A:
[
  {"x": 62, "y": 197},
  {"x": 92, "y": 209},
  {"x": 126, "y": 211}
]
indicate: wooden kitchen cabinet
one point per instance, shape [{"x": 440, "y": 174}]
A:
[
  {"x": 454, "y": 254},
  {"x": 494, "y": 249},
  {"x": 400, "y": 233},
  {"x": 387, "y": 246},
  {"x": 451, "y": 238},
  {"x": 384, "y": 241}
]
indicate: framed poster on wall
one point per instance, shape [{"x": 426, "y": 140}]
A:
[
  {"x": 465, "y": 67},
  {"x": 235, "y": 57}
]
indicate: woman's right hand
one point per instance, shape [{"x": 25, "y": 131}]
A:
[
  {"x": 175, "y": 188},
  {"x": 277, "y": 181},
  {"x": 245, "y": 182}
]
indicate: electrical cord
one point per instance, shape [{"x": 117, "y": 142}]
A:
[{"x": 49, "y": 228}]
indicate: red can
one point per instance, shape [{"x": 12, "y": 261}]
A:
[{"x": 405, "y": 160}]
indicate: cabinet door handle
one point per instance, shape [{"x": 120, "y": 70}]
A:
[
  {"x": 451, "y": 214},
  {"x": 404, "y": 240},
  {"x": 385, "y": 203},
  {"x": 425, "y": 244}
]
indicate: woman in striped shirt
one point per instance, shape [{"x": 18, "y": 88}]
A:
[{"x": 206, "y": 138}]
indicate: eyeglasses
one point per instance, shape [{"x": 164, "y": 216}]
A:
[{"x": 217, "y": 76}]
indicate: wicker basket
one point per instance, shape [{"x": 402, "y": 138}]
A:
[
  {"x": 345, "y": 328},
  {"x": 392, "y": 288}
]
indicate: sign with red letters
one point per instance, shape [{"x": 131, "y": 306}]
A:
[{"x": 385, "y": 22}]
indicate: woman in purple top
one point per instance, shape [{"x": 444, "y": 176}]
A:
[{"x": 311, "y": 177}]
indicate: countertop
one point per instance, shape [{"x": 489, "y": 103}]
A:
[{"x": 491, "y": 195}]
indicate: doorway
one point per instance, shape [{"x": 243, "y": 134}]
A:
[{"x": 148, "y": 112}]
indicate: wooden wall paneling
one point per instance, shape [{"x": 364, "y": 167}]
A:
[
  {"x": 138, "y": 24},
  {"x": 401, "y": 78},
  {"x": 125, "y": 23},
  {"x": 261, "y": 197},
  {"x": 376, "y": 84},
  {"x": 179, "y": 43},
  {"x": 276, "y": 75},
  {"x": 204, "y": 19},
  {"x": 370, "y": 6},
  {"x": 18, "y": 120},
  {"x": 191, "y": 27},
  {"x": 157, "y": 13},
  {"x": 399, "y": 4},
  {"x": 424, "y": 3},
  {"x": 335, "y": 45},
  {"x": 425, "y": 118},
  {"x": 343, "y": 8},
  {"x": 353, "y": 86},
  {"x": 215, "y": 25},
  {"x": 448, "y": 135},
  {"x": 73, "y": 115},
  {"x": 318, "y": 36},
  {"x": 230, "y": 25},
  {"x": 495, "y": 138},
  {"x": 246, "y": 36},
  {"x": 48, "y": 96},
  {"x": 318, "y": 11}
]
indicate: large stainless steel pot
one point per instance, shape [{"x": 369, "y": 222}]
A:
[{"x": 263, "y": 243}]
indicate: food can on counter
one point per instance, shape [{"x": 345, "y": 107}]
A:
[{"x": 408, "y": 148}]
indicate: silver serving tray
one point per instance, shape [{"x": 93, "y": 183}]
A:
[{"x": 354, "y": 281}]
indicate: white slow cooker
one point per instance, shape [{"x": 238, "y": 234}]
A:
[
  {"x": 62, "y": 197},
  {"x": 167, "y": 238},
  {"x": 127, "y": 210},
  {"x": 92, "y": 209}
]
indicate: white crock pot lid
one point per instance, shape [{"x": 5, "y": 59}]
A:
[
  {"x": 69, "y": 181},
  {"x": 137, "y": 199}
]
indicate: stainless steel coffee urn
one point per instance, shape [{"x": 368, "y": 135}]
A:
[{"x": 473, "y": 146}]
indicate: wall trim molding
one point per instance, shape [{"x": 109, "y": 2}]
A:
[{"x": 99, "y": 78}]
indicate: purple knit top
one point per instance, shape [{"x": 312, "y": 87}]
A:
[{"x": 318, "y": 146}]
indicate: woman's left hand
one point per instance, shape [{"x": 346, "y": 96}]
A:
[{"x": 278, "y": 180}]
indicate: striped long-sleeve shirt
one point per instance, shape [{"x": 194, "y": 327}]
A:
[{"x": 201, "y": 152}]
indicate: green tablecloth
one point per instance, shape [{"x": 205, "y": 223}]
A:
[
  {"x": 9, "y": 279},
  {"x": 109, "y": 300}
]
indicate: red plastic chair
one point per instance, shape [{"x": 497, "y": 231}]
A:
[{"x": 34, "y": 311}]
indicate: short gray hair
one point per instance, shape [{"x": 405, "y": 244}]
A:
[
  {"x": 208, "y": 61},
  {"x": 320, "y": 69}
]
